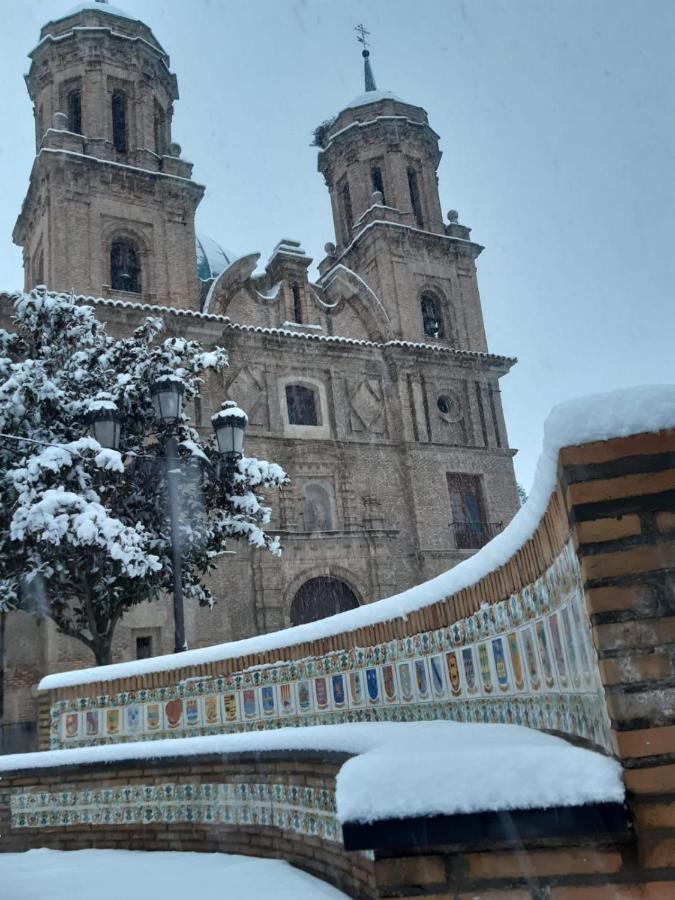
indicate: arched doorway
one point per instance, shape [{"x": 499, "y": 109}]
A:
[{"x": 321, "y": 597}]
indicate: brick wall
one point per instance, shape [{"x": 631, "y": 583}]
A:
[
  {"x": 620, "y": 497},
  {"x": 325, "y": 858},
  {"x": 595, "y": 869}
]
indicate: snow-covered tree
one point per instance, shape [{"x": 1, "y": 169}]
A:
[{"x": 84, "y": 531}]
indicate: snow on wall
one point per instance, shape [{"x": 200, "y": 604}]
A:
[
  {"x": 399, "y": 770},
  {"x": 595, "y": 418}
]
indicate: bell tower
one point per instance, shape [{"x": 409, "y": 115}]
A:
[
  {"x": 379, "y": 158},
  {"x": 110, "y": 206}
]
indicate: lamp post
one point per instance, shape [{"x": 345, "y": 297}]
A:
[{"x": 167, "y": 398}]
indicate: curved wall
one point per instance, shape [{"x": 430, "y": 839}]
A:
[{"x": 528, "y": 660}]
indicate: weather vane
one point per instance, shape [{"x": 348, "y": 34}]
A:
[{"x": 363, "y": 34}]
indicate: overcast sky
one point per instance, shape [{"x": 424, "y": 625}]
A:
[{"x": 557, "y": 125}]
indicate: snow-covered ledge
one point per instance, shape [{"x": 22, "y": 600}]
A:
[
  {"x": 599, "y": 417},
  {"x": 398, "y": 770}
]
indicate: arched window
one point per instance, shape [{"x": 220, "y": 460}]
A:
[
  {"x": 125, "y": 267},
  {"x": 160, "y": 130},
  {"x": 301, "y": 404},
  {"x": 321, "y": 597},
  {"x": 431, "y": 316},
  {"x": 317, "y": 512},
  {"x": 39, "y": 268},
  {"x": 74, "y": 101},
  {"x": 415, "y": 201},
  {"x": 119, "y": 121},
  {"x": 297, "y": 303},
  {"x": 347, "y": 211},
  {"x": 377, "y": 181}
]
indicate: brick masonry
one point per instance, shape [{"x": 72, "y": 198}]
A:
[{"x": 620, "y": 505}]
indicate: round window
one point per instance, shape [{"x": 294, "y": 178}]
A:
[{"x": 449, "y": 407}]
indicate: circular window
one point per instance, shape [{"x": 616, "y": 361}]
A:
[{"x": 449, "y": 407}]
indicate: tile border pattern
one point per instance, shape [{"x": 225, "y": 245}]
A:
[
  {"x": 309, "y": 811},
  {"x": 528, "y": 660}
]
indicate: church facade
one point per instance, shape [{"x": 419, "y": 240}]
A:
[{"x": 372, "y": 384}]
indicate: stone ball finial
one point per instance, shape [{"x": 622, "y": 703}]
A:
[
  {"x": 329, "y": 249},
  {"x": 453, "y": 216},
  {"x": 175, "y": 150},
  {"x": 60, "y": 121},
  {"x": 378, "y": 198}
]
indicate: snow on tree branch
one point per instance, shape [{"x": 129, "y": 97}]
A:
[{"x": 87, "y": 528}]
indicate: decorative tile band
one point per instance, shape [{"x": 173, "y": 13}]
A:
[
  {"x": 527, "y": 660},
  {"x": 297, "y": 808}
]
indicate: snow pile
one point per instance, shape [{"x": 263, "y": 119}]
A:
[
  {"x": 595, "y": 418},
  {"x": 110, "y": 874},
  {"x": 404, "y": 769},
  {"x": 437, "y": 768}
]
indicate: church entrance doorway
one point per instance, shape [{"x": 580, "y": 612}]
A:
[{"x": 321, "y": 597}]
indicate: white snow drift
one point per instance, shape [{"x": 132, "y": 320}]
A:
[{"x": 111, "y": 874}]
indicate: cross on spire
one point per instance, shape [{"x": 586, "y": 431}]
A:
[{"x": 363, "y": 35}]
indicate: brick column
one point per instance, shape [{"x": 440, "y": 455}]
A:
[{"x": 620, "y": 498}]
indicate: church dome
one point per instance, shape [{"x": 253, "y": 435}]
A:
[{"x": 212, "y": 257}]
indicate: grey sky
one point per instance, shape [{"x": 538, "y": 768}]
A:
[{"x": 557, "y": 124}]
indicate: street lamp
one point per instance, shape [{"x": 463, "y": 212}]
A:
[
  {"x": 167, "y": 398},
  {"x": 105, "y": 421},
  {"x": 229, "y": 424}
]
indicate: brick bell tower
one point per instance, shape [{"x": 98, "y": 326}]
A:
[
  {"x": 379, "y": 158},
  {"x": 110, "y": 206}
]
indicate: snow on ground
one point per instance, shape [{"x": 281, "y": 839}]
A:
[
  {"x": 134, "y": 875},
  {"x": 595, "y": 418},
  {"x": 405, "y": 769}
]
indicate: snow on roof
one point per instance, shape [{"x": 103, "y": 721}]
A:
[
  {"x": 101, "y": 7},
  {"x": 212, "y": 257},
  {"x": 402, "y": 769},
  {"x": 598, "y": 417},
  {"x": 373, "y": 97}
]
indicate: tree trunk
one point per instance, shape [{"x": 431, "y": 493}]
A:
[{"x": 103, "y": 652}]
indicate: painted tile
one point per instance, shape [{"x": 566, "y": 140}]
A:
[{"x": 339, "y": 697}]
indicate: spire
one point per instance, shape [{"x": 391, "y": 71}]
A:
[{"x": 367, "y": 69}]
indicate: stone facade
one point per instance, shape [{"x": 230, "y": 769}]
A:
[{"x": 372, "y": 385}]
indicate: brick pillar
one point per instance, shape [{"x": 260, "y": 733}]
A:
[{"x": 620, "y": 498}]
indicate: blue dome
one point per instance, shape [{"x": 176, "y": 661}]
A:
[{"x": 212, "y": 258}]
